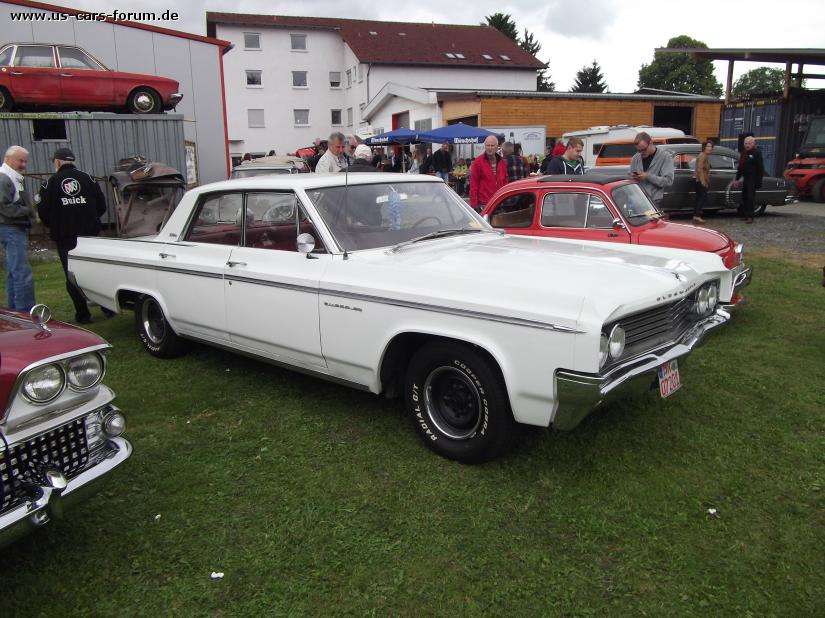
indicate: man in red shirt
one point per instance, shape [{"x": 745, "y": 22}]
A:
[{"x": 487, "y": 174}]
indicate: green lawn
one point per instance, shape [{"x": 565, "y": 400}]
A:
[{"x": 318, "y": 500}]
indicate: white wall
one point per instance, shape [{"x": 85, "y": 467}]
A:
[
  {"x": 451, "y": 77},
  {"x": 194, "y": 64}
]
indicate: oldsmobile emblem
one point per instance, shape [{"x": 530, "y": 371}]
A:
[{"x": 337, "y": 306}]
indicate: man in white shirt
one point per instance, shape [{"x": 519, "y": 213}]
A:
[
  {"x": 333, "y": 159},
  {"x": 16, "y": 217}
]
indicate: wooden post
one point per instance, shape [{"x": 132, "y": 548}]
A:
[
  {"x": 729, "y": 82},
  {"x": 799, "y": 76},
  {"x": 787, "y": 90}
]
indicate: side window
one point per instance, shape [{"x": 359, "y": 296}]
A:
[
  {"x": 720, "y": 162},
  {"x": 39, "y": 56},
  {"x": 515, "y": 211},
  {"x": 274, "y": 221},
  {"x": 684, "y": 161},
  {"x": 564, "y": 210},
  {"x": 5, "y": 56},
  {"x": 598, "y": 214},
  {"x": 218, "y": 220},
  {"x": 72, "y": 58}
]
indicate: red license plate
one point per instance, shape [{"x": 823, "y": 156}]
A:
[{"x": 669, "y": 381}]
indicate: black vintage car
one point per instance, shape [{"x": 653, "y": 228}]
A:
[{"x": 680, "y": 196}]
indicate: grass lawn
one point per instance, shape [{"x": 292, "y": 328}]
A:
[{"x": 318, "y": 500}]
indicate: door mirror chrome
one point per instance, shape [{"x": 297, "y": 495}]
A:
[
  {"x": 305, "y": 243},
  {"x": 618, "y": 224}
]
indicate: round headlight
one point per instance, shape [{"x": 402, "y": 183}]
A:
[
  {"x": 603, "y": 350},
  {"x": 616, "y": 341},
  {"x": 43, "y": 384},
  {"x": 85, "y": 371},
  {"x": 702, "y": 301},
  {"x": 713, "y": 297}
]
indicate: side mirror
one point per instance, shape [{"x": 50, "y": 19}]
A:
[
  {"x": 305, "y": 243},
  {"x": 618, "y": 224}
]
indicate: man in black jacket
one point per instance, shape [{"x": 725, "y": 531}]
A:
[
  {"x": 70, "y": 204},
  {"x": 751, "y": 169}
]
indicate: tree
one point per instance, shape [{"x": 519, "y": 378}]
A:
[
  {"x": 680, "y": 72},
  {"x": 529, "y": 44},
  {"x": 761, "y": 81},
  {"x": 504, "y": 23},
  {"x": 589, "y": 79}
]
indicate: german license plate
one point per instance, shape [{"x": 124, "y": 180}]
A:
[{"x": 669, "y": 381}]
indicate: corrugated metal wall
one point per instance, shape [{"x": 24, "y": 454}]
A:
[
  {"x": 98, "y": 141},
  {"x": 777, "y": 125}
]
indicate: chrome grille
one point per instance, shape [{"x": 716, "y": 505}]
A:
[
  {"x": 23, "y": 464},
  {"x": 652, "y": 325}
]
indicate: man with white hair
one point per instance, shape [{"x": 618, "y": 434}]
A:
[
  {"x": 751, "y": 169},
  {"x": 16, "y": 218},
  {"x": 333, "y": 159}
]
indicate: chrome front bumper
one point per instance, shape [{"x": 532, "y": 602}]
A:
[
  {"x": 54, "y": 498},
  {"x": 578, "y": 394}
]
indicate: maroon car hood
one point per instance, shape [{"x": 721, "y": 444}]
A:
[
  {"x": 22, "y": 343},
  {"x": 668, "y": 234}
]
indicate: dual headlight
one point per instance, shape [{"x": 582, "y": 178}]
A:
[
  {"x": 706, "y": 299},
  {"x": 80, "y": 373},
  {"x": 611, "y": 345}
]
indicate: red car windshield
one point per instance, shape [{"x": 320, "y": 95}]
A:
[{"x": 635, "y": 205}]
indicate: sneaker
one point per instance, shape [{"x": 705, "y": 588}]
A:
[{"x": 699, "y": 220}]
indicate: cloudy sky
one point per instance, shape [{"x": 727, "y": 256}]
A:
[{"x": 619, "y": 35}]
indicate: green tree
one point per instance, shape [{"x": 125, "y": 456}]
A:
[
  {"x": 529, "y": 44},
  {"x": 680, "y": 72},
  {"x": 764, "y": 81},
  {"x": 589, "y": 79},
  {"x": 504, "y": 23}
]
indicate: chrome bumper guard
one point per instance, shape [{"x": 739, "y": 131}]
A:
[
  {"x": 58, "y": 494},
  {"x": 176, "y": 97},
  {"x": 580, "y": 393}
]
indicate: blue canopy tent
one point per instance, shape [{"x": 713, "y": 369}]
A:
[
  {"x": 399, "y": 136},
  {"x": 458, "y": 133}
]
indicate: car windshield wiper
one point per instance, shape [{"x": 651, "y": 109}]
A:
[{"x": 436, "y": 234}]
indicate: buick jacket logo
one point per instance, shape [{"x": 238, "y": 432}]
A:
[{"x": 70, "y": 187}]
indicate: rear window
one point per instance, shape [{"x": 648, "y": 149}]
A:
[
  {"x": 34, "y": 56},
  {"x": 611, "y": 151}
]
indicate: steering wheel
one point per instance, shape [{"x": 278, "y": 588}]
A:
[{"x": 423, "y": 219}]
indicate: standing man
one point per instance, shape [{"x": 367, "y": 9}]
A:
[
  {"x": 487, "y": 174},
  {"x": 70, "y": 204},
  {"x": 333, "y": 159},
  {"x": 442, "y": 162},
  {"x": 653, "y": 168},
  {"x": 571, "y": 162},
  {"x": 16, "y": 217},
  {"x": 751, "y": 169},
  {"x": 516, "y": 170},
  {"x": 702, "y": 181}
]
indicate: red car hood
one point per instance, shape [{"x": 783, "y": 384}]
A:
[
  {"x": 668, "y": 234},
  {"x": 146, "y": 79},
  {"x": 22, "y": 343}
]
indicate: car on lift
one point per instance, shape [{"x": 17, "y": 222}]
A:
[
  {"x": 60, "y": 434},
  {"x": 44, "y": 75},
  {"x": 807, "y": 170}
]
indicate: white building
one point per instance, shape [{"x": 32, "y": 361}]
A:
[{"x": 289, "y": 80}]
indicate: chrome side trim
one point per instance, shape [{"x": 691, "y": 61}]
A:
[{"x": 490, "y": 317}]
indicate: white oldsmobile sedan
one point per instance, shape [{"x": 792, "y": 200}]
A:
[{"x": 393, "y": 284}]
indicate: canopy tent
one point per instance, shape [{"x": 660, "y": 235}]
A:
[
  {"x": 398, "y": 136},
  {"x": 458, "y": 133}
]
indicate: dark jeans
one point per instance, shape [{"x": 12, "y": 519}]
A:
[
  {"x": 701, "y": 199},
  {"x": 748, "y": 200},
  {"x": 81, "y": 309}
]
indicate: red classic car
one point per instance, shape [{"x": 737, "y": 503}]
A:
[
  {"x": 67, "y": 77},
  {"x": 604, "y": 207},
  {"x": 60, "y": 435}
]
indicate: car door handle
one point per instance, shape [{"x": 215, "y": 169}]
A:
[
  {"x": 230, "y": 263},
  {"x": 166, "y": 255},
  {"x": 17, "y": 73},
  {"x": 612, "y": 235},
  {"x": 66, "y": 75}
]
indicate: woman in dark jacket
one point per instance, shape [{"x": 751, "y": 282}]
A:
[{"x": 751, "y": 169}]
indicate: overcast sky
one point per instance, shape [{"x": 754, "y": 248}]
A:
[{"x": 619, "y": 35}]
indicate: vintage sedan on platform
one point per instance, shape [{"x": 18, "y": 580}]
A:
[
  {"x": 44, "y": 75},
  {"x": 392, "y": 284},
  {"x": 60, "y": 433},
  {"x": 609, "y": 208}
]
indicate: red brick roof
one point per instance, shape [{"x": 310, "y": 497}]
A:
[{"x": 386, "y": 42}]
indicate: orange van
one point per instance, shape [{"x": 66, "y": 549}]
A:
[{"x": 620, "y": 152}]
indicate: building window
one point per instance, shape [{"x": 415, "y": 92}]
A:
[
  {"x": 299, "y": 79},
  {"x": 253, "y": 78},
  {"x": 377, "y": 130},
  {"x": 335, "y": 79},
  {"x": 251, "y": 40},
  {"x": 255, "y": 118},
  {"x": 349, "y": 116},
  {"x": 298, "y": 42},
  {"x": 336, "y": 117},
  {"x": 361, "y": 107},
  {"x": 301, "y": 117},
  {"x": 360, "y": 73},
  {"x": 424, "y": 125},
  {"x": 349, "y": 78}
]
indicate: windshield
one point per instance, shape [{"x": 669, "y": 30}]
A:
[
  {"x": 259, "y": 171},
  {"x": 386, "y": 214},
  {"x": 635, "y": 205},
  {"x": 816, "y": 133}
]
